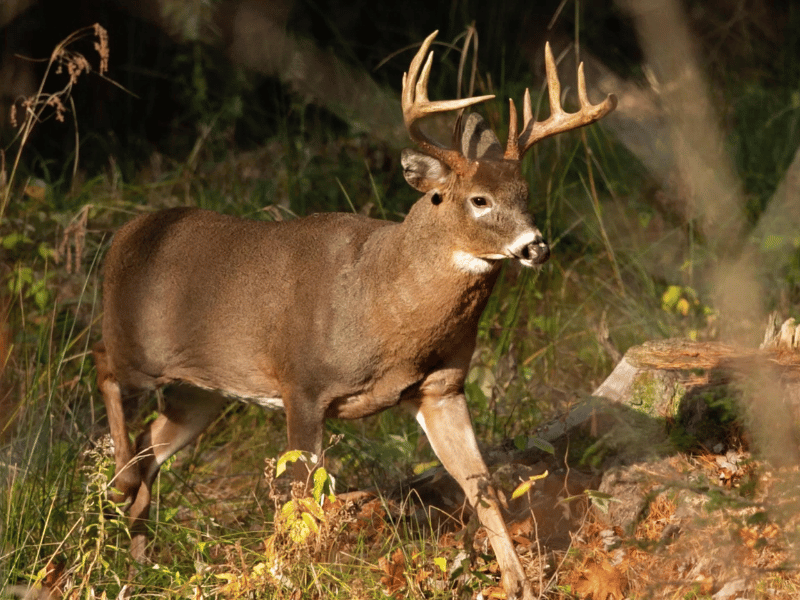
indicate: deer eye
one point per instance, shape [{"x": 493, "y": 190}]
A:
[
  {"x": 480, "y": 202},
  {"x": 480, "y": 205}
]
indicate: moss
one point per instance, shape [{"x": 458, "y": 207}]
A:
[{"x": 657, "y": 394}]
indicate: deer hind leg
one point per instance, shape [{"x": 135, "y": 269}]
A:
[
  {"x": 188, "y": 411},
  {"x": 127, "y": 478},
  {"x": 447, "y": 424}
]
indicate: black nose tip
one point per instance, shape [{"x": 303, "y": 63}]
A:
[{"x": 538, "y": 252}]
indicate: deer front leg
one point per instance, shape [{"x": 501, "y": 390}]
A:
[
  {"x": 446, "y": 422},
  {"x": 305, "y": 426}
]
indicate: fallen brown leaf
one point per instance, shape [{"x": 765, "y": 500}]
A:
[
  {"x": 602, "y": 582},
  {"x": 394, "y": 580}
]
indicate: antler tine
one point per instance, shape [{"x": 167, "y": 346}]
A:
[
  {"x": 421, "y": 91},
  {"x": 413, "y": 72},
  {"x": 553, "y": 83},
  {"x": 512, "y": 146},
  {"x": 558, "y": 121},
  {"x": 527, "y": 111},
  {"x": 416, "y": 105}
]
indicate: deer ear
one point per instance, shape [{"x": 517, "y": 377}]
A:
[
  {"x": 478, "y": 140},
  {"x": 423, "y": 172}
]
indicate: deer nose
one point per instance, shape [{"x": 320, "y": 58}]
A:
[
  {"x": 530, "y": 249},
  {"x": 537, "y": 252}
]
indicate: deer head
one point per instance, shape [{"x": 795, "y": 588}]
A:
[{"x": 477, "y": 184}]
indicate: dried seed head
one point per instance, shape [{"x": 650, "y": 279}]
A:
[
  {"x": 101, "y": 45},
  {"x": 59, "y": 107}
]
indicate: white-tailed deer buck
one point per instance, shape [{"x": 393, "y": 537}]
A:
[{"x": 332, "y": 315}]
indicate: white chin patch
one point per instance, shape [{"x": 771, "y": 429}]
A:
[{"x": 467, "y": 263}]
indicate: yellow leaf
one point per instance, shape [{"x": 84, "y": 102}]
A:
[
  {"x": 670, "y": 297},
  {"x": 290, "y": 456},
  {"x": 523, "y": 487},
  {"x": 441, "y": 562},
  {"x": 321, "y": 481},
  {"x": 300, "y": 518},
  {"x": 422, "y": 467}
]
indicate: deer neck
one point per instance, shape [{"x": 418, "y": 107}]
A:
[
  {"x": 422, "y": 290},
  {"x": 421, "y": 253}
]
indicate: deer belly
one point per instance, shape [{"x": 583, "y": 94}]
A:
[
  {"x": 272, "y": 402},
  {"x": 261, "y": 391}
]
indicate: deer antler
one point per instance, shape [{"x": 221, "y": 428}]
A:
[
  {"x": 416, "y": 105},
  {"x": 558, "y": 121}
]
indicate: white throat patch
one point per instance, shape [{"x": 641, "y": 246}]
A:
[{"x": 467, "y": 263}]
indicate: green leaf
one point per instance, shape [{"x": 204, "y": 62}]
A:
[
  {"x": 167, "y": 514},
  {"x": 21, "y": 277},
  {"x": 772, "y": 242},
  {"x": 600, "y": 499},
  {"x": 475, "y": 394},
  {"x": 41, "y": 298},
  {"x": 541, "y": 444},
  {"x": 166, "y": 467},
  {"x": 11, "y": 240},
  {"x": 670, "y": 297},
  {"x": 45, "y": 252}
]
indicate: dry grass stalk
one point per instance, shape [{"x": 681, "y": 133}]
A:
[
  {"x": 70, "y": 248},
  {"x": 34, "y": 108}
]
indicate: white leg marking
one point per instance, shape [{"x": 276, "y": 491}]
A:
[{"x": 421, "y": 420}]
